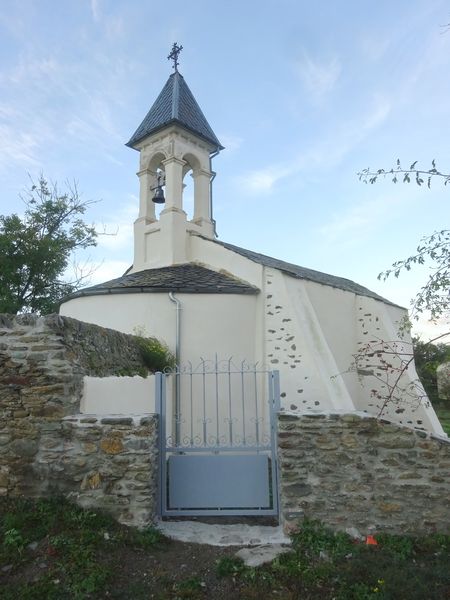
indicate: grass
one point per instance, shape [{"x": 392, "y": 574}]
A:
[
  {"x": 324, "y": 564},
  {"x": 72, "y": 543},
  {"x": 443, "y": 412},
  {"x": 52, "y": 550}
]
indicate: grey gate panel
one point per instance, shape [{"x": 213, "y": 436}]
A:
[
  {"x": 218, "y": 439},
  {"x": 218, "y": 481}
]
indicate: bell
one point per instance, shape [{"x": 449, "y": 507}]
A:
[{"x": 158, "y": 198}]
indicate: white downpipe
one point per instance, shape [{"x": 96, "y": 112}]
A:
[
  {"x": 176, "y": 415},
  {"x": 213, "y": 175}
]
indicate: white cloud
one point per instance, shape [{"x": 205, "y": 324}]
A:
[
  {"x": 327, "y": 152},
  {"x": 119, "y": 231},
  {"x": 95, "y": 9},
  {"x": 107, "y": 270},
  {"x": 230, "y": 141},
  {"x": 262, "y": 180},
  {"x": 18, "y": 147},
  {"x": 319, "y": 77}
]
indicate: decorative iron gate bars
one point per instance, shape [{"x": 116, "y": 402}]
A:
[{"x": 218, "y": 439}]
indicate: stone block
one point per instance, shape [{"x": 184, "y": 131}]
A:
[
  {"x": 297, "y": 489},
  {"x": 112, "y": 445},
  {"x": 24, "y": 447}
]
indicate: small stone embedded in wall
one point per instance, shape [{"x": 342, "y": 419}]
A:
[{"x": 112, "y": 445}]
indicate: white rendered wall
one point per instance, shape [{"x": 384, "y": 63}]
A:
[
  {"x": 222, "y": 324},
  {"x": 118, "y": 395},
  {"x": 308, "y": 331}
]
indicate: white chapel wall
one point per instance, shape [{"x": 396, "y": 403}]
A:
[
  {"x": 222, "y": 324},
  {"x": 118, "y": 395}
]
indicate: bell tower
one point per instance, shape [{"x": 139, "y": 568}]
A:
[{"x": 173, "y": 140}]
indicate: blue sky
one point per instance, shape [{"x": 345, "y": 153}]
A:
[{"x": 302, "y": 95}]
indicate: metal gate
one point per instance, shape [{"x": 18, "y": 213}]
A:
[{"x": 218, "y": 439}]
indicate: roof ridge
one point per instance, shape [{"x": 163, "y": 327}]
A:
[
  {"x": 342, "y": 283},
  {"x": 175, "y": 95}
]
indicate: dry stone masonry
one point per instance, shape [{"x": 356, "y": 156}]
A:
[
  {"x": 46, "y": 447},
  {"x": 350, "y": 470},
  {"x": 345, "y": 469}
]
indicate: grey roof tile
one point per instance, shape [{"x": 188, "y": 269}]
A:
[
  {"x": 303, "y": 273},
  {"x": 175, "y": 104},
  {"x": 186, "y": 278}
]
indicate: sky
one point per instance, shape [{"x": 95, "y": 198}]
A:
[{"x": 302, "y": 95}]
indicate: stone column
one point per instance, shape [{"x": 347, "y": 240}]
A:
[
  {"x": 174, "y": 183},
  {"x": 147, "y": 180},
  {"x": 202, "y": 182}
]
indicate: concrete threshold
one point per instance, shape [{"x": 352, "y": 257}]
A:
[{"x": 236, "y": 534}]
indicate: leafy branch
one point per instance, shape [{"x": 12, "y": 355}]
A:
[
  {"x": 35, "y": 248},
  {"x": 434, "y": 296},
  {"x": 398, "y": 173}
]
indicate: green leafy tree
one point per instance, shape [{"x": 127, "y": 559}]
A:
[
  {"x": 427, "y": 358},
  {"x": 36, "y": 248}
]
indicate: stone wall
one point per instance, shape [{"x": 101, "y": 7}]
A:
[
  {"x": 350, "y": 470},
  {"x": 45, "y": 447}
]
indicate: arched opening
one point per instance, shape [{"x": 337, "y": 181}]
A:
[
  {"x": 188, "y": 192},
  {"x": 157, "y": 176},
  {"x": 190, "y": 184}
]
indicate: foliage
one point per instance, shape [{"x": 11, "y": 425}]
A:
[
  {"x": 230, "y": 566},
  {"x": 82, "y": 552},
  {"x": 35, "y": 249},
  {"x": 146, "y": 538},
  {"x": 324, "y": 564},
  {"x": 155, "y": 354},
  {"x": 72, "y": 542},
  {"x": 427, "y": 358},
  {"x": 398, "y": 173},
  {"x": 434, "y": 296}
]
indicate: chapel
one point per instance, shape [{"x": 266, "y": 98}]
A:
[{"x": 212, "y": 300}]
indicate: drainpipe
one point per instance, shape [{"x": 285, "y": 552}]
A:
[
  {"x": 177, "y": 373},
  {"x": 213, "y": 176}
]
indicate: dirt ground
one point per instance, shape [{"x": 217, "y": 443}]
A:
[{"x": 177, "y": 570}]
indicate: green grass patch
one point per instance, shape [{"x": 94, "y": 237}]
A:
[
  {"x": 443, "y": 413},
  {"x": 65, "y": 546},
  {"x": 54, "y": 550},
  {"x": 324, "y": 564}
]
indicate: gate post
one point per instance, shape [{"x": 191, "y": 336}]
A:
[
  {"x": 160, "y": 411},
  {"x": 274, "y": 387}
]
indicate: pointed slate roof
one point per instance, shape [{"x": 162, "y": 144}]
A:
[{"x": 175, "y": 105}]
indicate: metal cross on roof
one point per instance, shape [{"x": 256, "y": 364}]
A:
[{"x": 174, "y": 55}]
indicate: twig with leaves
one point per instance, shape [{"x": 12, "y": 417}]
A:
[
  {"x": 388, "y": 363},
  {"x": 398, "y": 173}
]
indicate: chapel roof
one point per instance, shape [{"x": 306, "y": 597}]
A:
[
  {"x": 298, "y": 272},
  {"x": 186, "y": 278},
  {"x": 175, "y": 105}
]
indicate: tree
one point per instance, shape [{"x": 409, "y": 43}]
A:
[
  {"x": 427, "y": 358},
  {"x": 388, "y": 361},
  {"x": 434, "y": 296},
  {"x": 36, "y": 248}
]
